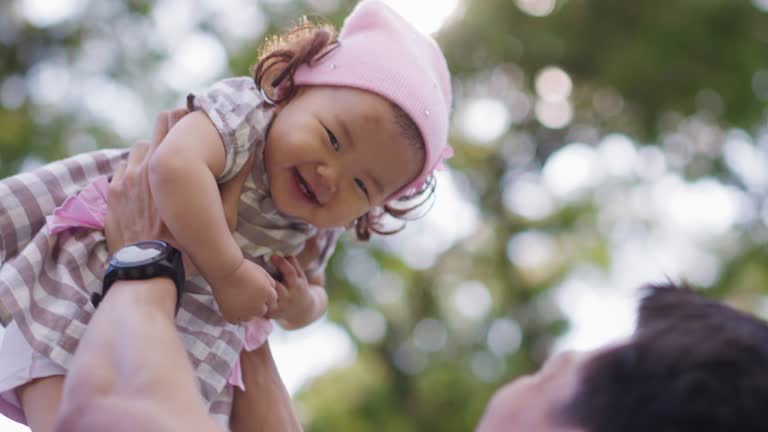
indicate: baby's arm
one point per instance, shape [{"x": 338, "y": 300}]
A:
[{"x": 182, "y": 177}]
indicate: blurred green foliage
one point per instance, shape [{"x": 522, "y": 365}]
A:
[{"x": 670, "y": 64}]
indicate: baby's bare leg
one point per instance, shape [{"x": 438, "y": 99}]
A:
[{"x": 40, "y": 400}]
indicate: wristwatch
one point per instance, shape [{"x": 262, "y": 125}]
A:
[{"x": 143, "y": 260}]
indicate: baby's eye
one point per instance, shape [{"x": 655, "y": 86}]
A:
[
  {"x": 361, "y": 185},
  {"x": 332, "y": 138}
]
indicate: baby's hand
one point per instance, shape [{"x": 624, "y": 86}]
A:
[
  {"x": 249, "y": 292},
  {"x": 294, "y": 298}
]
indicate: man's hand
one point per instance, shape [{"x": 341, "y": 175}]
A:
[
  {"x": 132, "y": 214},
  {"x": 130, "y": 198}
]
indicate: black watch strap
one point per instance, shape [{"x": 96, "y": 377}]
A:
[{"x": 167, "y": 264}]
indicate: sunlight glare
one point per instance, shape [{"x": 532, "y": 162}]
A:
[
  {"x": 484, "y": 120},
  {"x": 571, "y": 170},
  {"x": 554, "y": 114},
  {"x": 504, "y": 336},
  {"x": 553, "y": 84},
  {"x": 452, "y": 218},
  {"x": 44, "y": 13},
  {"x": 197, "y": 61},
  {"x": 427, "y": 15},
  {"x": 472, "y": 299},
  {"x": 528, "y": 197},
  {"x": 598, "y": 313},
  {"x": 539, "y": 8},
  {"x": 761, "y": 4},
  {"x": 328, "y": 344}
]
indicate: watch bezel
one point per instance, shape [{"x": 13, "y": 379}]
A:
[
  {"x": 167, "y": 263},
  {"x": 163, "y": 246}
]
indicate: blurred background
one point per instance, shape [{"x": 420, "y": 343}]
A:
[{"x": 600, "y": 145}]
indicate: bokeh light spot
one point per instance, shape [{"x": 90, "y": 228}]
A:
[{"x": 484, "y": 120}]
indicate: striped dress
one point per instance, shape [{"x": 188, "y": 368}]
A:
[{"x": 46, "y": 280}]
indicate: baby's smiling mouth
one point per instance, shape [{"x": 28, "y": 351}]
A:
[{"x": 305, "y": 188}]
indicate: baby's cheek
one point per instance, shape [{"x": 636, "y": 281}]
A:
[{"x": 343, "y": 213}]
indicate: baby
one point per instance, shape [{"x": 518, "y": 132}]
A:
[{"x": 329, "y": 133}]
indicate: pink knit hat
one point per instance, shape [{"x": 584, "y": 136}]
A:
[{"x": 381, "y": 52}]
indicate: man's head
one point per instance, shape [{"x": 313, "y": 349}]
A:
[{"x": 691, "y": 365}]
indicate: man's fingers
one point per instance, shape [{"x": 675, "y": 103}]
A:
[
  {"x": 175, "y": 115},
  {"x": 138, "y": 152},
  {"x": 117, "y": 176},
  {"x": 161, "y": 129},
  {"x": 164, "y": 122}
]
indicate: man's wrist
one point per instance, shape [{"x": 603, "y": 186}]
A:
[
  {"x": 142, "y": 261},
  {"x": 158, "y": 291}
]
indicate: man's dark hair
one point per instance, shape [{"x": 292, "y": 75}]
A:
[{"x": 692, "y": 365}]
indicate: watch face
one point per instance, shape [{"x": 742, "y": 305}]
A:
[{"x": 139, "y": 252}]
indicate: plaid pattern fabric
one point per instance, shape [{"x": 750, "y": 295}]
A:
[{"x": 46, "y": 280}]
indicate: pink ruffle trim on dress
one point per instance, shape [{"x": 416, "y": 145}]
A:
[
  {"x": 88, "y": 209},
  {"x": 256, "y": 333}
]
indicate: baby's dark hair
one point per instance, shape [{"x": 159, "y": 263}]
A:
[{"x": 279, "y": 58}]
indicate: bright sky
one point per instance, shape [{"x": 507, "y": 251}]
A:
[{"x": 427, "y": 15}]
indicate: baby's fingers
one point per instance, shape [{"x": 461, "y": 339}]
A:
[
  {"x": 296, "y": 264},
  {"x": 282, "y": 292},
  {"x": 272, "y": 301},
  {"x": 286, "y": 270},
  {"x": 273, "y": 306},
  {"x": 260, "y": 312}
]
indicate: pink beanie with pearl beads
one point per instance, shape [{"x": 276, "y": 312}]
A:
[{"x": 381, "y": 52}]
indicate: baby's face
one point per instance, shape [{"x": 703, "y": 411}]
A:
[{"x": 333, "y": 153}]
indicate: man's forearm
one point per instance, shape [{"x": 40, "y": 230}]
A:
[
  {"x": 131, "y": 359},
  {"x": 265, "y": 405}
]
